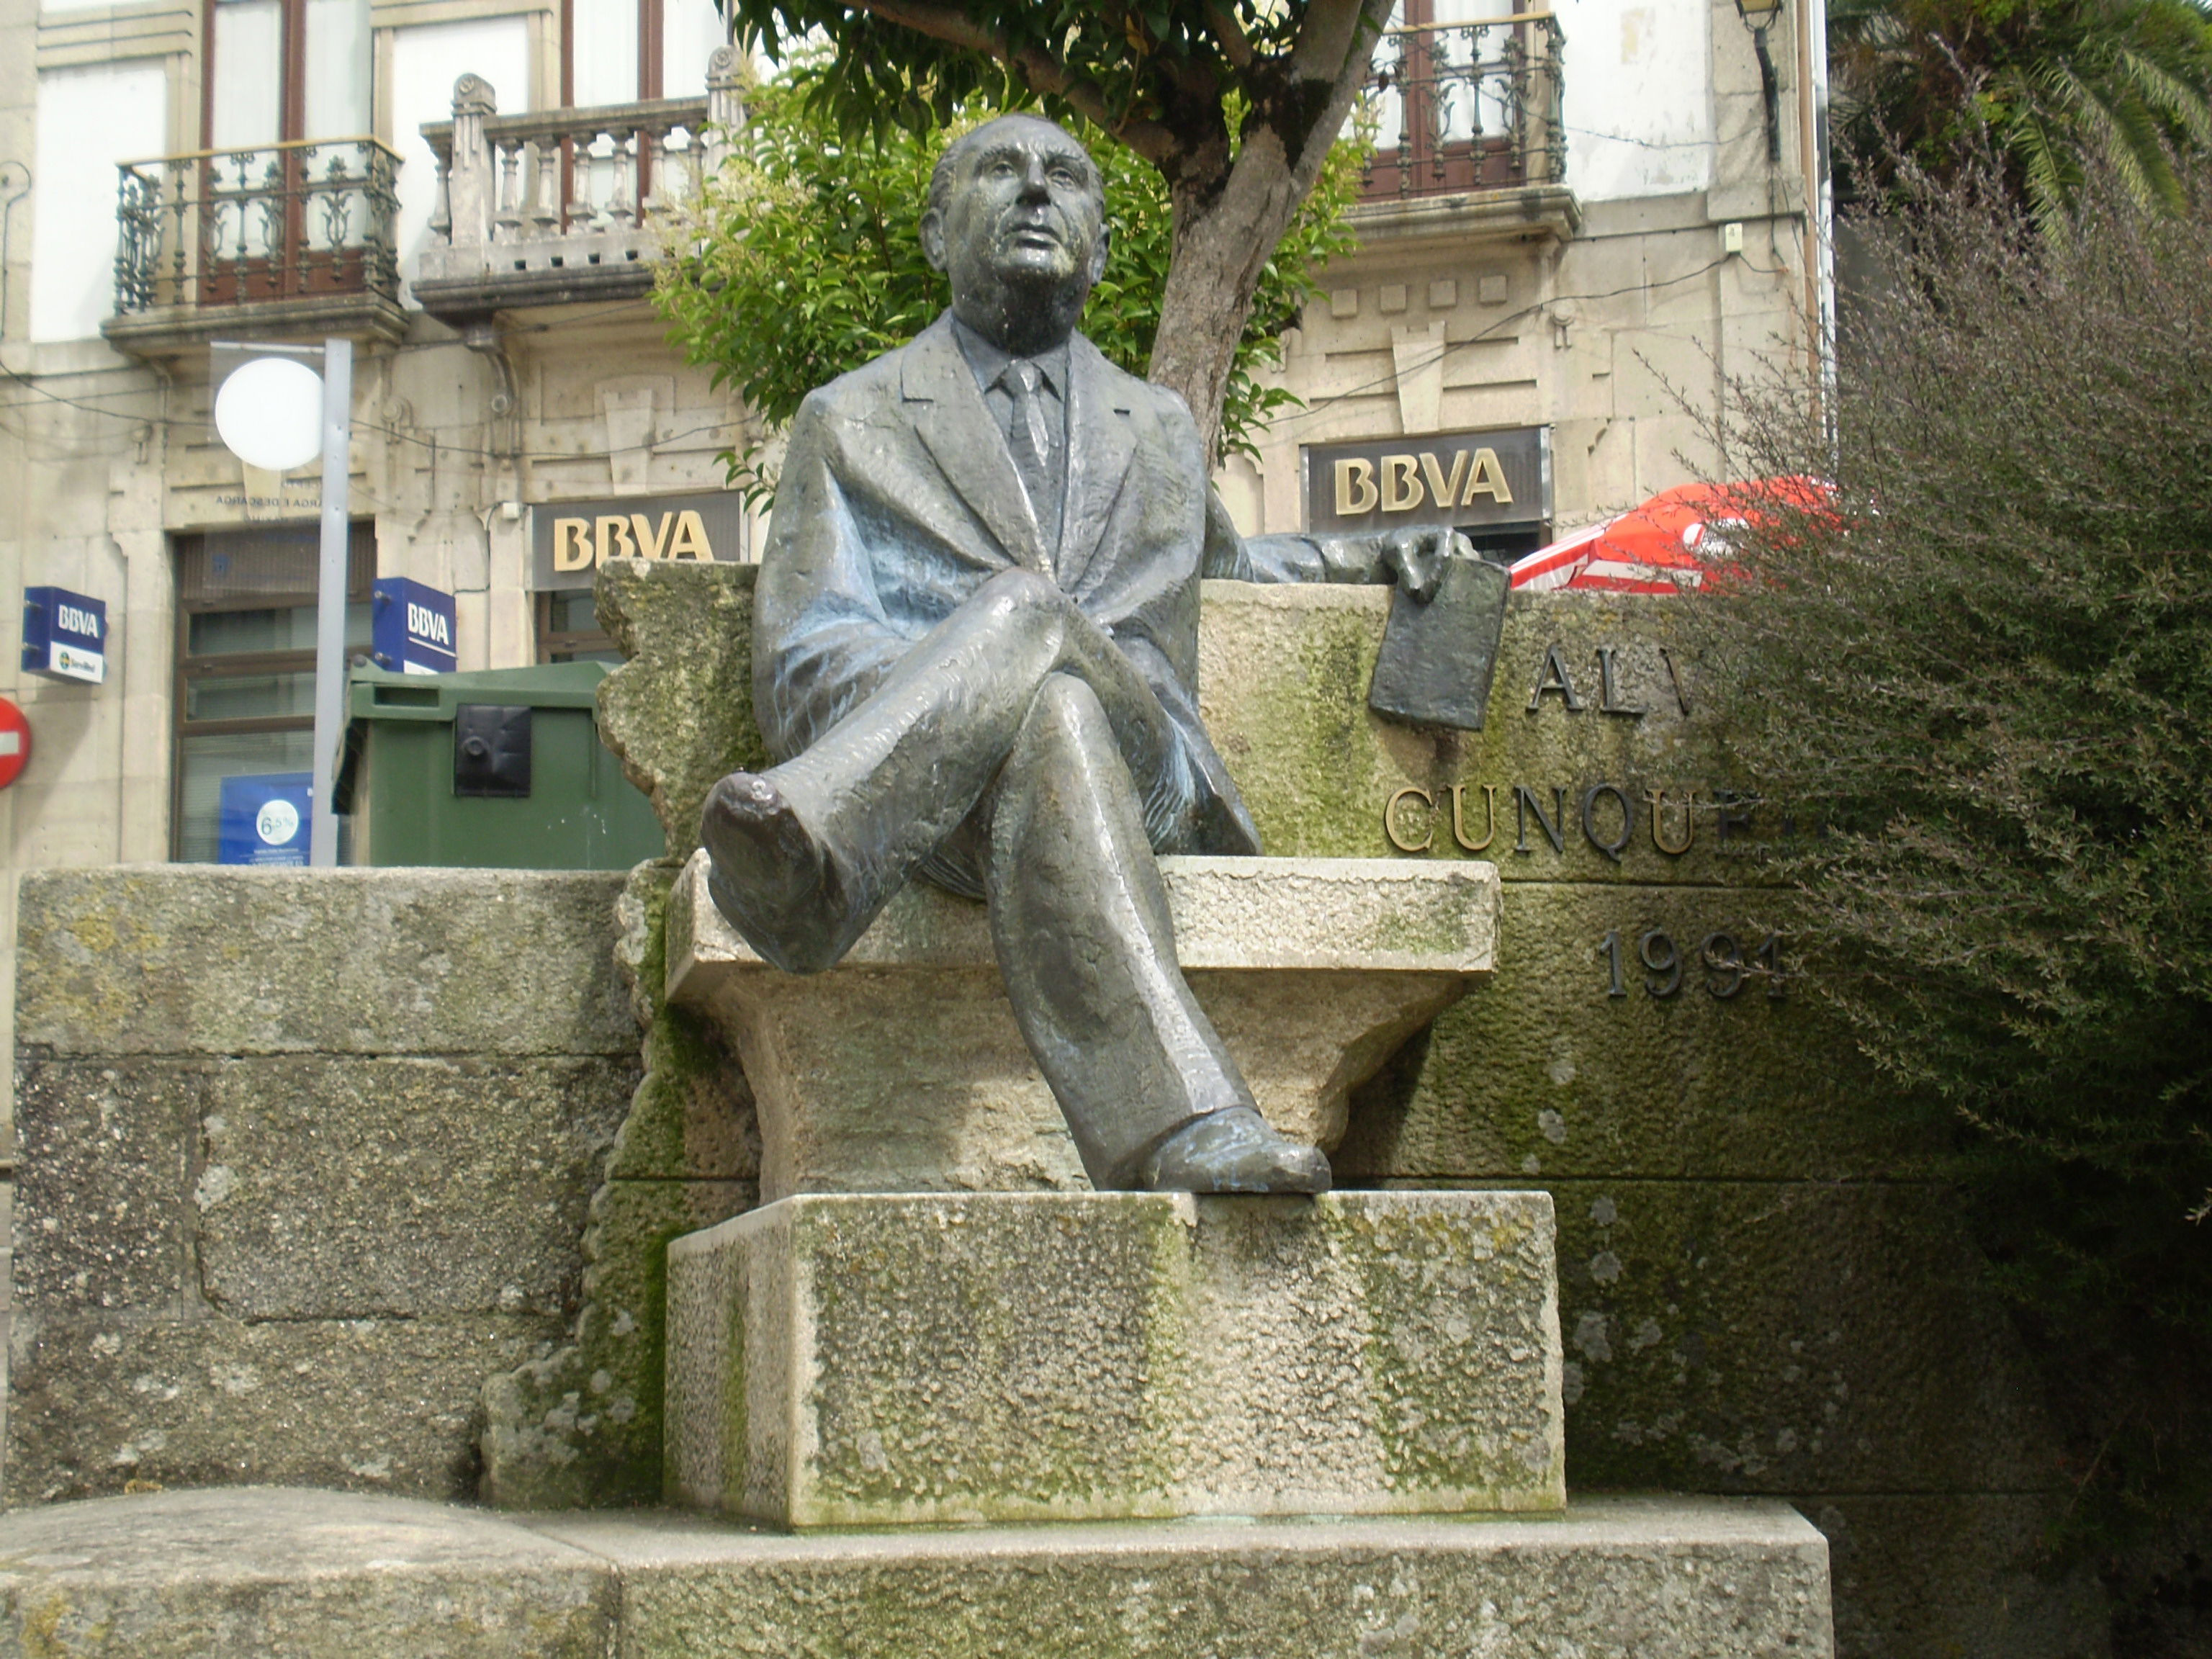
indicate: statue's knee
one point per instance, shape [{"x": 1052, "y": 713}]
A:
[
  {"x": 1014, "y": 595},
  {"x": 1067, "y": 704}
]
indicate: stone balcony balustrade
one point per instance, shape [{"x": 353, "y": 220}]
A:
[{"x": 558, "y": 205}]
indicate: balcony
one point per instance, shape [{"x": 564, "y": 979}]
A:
[
  {"x": 1470, "y": 128},
  {"x": 282, "y": 239},
  {"x": 558, "y": 206}
]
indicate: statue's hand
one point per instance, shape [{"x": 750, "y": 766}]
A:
[{"x": 1416, "y": 556}]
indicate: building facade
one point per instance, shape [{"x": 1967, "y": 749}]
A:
[{"x": 1579, "y": 225}]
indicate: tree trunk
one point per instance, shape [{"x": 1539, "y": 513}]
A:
[{"x": 1228, "y": 220}]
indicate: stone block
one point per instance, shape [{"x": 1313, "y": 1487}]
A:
[
  {"x": 99, "y": 1401},
  {"x": 581, "y": 1427},
  {"x": 333, "y": 1187},
  {"x": 679, "y": 711},
  {"x": 1788, "y": 1337},
  {"x": 197, "y": 958},
  {"x": 1314, "y": 971},
  {"x": 1542, "y": 1072},
  {"x": 1619, "y": 1579},
  {"x": 1966, "y": 1575},
  {"x": 339, "y": 1576},
  {"x": 101, "y": 1180},
  {"x": 869, "y": 1361},
  {"x": 309, "y": 1575},
  {"x": 1283, "y": 673},
  {"x": 692, "y": 1116}
]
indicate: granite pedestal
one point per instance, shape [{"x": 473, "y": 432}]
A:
[{"x": 876, "y": 1361}]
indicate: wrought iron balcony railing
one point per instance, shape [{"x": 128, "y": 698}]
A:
[
  {"x": 557, "y": 205},
  {"x": 306, "y": 222},
  {"x": 1467, "y": 107}
]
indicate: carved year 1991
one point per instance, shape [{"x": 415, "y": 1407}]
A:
[{"x": 1719, "y": 955}]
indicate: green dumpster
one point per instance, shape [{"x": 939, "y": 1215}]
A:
[{"x": 501, "y": 768}]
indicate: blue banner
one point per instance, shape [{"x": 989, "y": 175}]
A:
[{"x": 264, "y": 818}]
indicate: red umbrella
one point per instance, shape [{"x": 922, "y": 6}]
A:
[{"x": 1663, "y": 546}]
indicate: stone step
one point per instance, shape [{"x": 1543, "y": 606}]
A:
[
  {"x": 289, "y": 1574},
  {"x": 847, "y": 1360}
]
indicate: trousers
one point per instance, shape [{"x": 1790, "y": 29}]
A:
[{"x": 1016, "y": 755}]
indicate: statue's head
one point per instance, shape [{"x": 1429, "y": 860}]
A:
[{"x": 1017, "y": 220}]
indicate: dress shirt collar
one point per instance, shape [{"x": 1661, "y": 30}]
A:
[{"x": 988, "y": 361}]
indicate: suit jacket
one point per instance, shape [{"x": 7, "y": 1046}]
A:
[{"x": 898, "y": 499}]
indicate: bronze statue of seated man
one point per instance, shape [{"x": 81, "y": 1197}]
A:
[{"x": 976, "y": 660}]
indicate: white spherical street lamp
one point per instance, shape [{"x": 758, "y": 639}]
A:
[{"x": 270, "y": 414}]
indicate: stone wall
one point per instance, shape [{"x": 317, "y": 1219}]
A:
[
  {"x": 354, "y": 1179},
  {"x": 305, "y": 1159}
]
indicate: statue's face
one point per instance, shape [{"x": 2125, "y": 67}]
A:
[{"x": 1022, "y": 232}]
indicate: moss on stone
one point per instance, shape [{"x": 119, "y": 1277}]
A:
[
  {"x": 581, "y": 1427},
  {"x": 679, "y": 711}
]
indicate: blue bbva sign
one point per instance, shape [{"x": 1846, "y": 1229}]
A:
[
  {"x": 413, "y": 627},
  {"x": 65, "y": 634}
]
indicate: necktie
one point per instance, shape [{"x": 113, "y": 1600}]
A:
[{"x": 1029, "y": 436}]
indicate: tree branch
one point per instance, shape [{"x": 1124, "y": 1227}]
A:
[
  {"x": 1044, "y": 73},
  {"x": 1230, "y": 37},
  {"x": 1330, "y": 31},
  {"x": 946, "y": 23},
  {"x": 1038, "y": 69}
]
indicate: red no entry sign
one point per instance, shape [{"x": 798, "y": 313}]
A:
[{"x": 15, "y": 742}]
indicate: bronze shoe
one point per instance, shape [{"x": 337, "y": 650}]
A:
[
  {"x": 775, "y": 883},
  {"x": 1233, "y": 1151}
]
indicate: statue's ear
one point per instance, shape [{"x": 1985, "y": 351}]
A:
[
  {"x": 933, "y": 239},
  {"x": 1098, "y": 253}
]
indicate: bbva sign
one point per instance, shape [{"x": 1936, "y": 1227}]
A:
[
  {"x": 1487, "y": 477},
  {"x": 570, "y": 540}
]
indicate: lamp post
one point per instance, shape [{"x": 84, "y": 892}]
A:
[
  {"x": 1758, "y": 17},
  {"x": 275, "y": 413}
]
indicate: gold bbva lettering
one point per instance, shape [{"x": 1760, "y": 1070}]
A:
[
  {"x": 1441, "y": 490},
  {"x": 1390, "y": 820},
  {"x": 649, "y": 546},
  {"x": 1487, "y": 478},
  {"x": 1355, "y": 487},
  {"x": 572, "y": 544},
  {"x": 1401, "y": 484},
  {"x": 690, "y": 541},
  {"x": 615, "y": 542}
]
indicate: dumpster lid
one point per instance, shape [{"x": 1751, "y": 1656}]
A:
[{"x": 382, "y": 694}]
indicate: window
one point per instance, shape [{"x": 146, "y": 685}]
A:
[
  {"x": 623, "y": 51},
  {"x": 569, "y": 631},
  {"x": 286, "y": 194},
  {"x": 280, "y": 71},
  {"x": 1454, "y": 76},
  {"x": 246, "y": 664}
]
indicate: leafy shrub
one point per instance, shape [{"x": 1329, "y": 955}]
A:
[
  {"x": 803, "y": 260},
  {"x": 1984, "y": 670}
]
